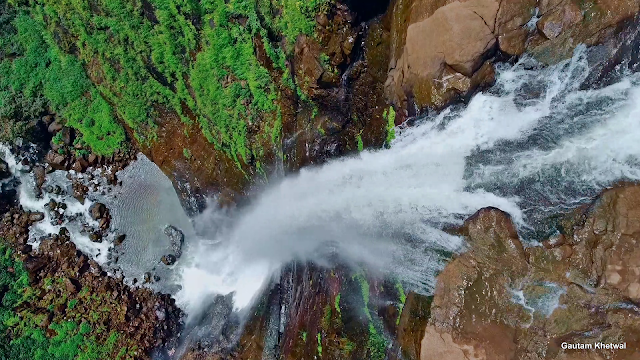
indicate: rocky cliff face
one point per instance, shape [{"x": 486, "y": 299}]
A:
[
  {"x": 446, "y": 50},
  {"x": 498, "y": 301}
]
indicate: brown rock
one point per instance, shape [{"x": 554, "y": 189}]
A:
[
  {"x": 97, "y": 211},
  {"x": 119, "y": 239},
  {"x": 552, "y": 24},
  {"x": 72, "y": 285},
  {"x": 54, "y": 127},
  {"x": 56, "y": 161}
]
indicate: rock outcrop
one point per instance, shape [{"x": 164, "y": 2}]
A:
[
  {"x": 445, "y": 50},
  {"x": 501, "y": 301}
]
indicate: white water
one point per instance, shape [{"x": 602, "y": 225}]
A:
[
  {"x": 521, "y": 153},
  {"x": 29, "y": 201}
]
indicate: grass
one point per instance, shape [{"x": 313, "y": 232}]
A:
[
  {"x": 39, "y": 70},
  {"x": 117, "y": 61},
  {"x": 24, "y": 337}
]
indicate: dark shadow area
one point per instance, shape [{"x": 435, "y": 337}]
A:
[{"x": 368, "y": 9}]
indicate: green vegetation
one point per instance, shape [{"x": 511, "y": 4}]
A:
[
  {"x": 25, "y": 334},
  {"x": 403, "y": 300},
  {"x": 186, "y": 153},
  {"x": 360, "y": 143},
  {"x": 390, "y": 117},
  {"x": 337, "y": 304},
  {"x": 95, "y": 63},
  {"x": 35, "y": 74},
  {"x": 377, "y": 344},
  {"x": 304, "y": 336},
  {"x": 319, "y": 344}
]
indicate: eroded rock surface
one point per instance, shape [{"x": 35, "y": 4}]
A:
[
  {"x": 500, "y": 301},
  {"x": 444, "y": 50}
]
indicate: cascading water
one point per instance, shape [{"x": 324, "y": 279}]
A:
[{"x": 533, "y": 144}]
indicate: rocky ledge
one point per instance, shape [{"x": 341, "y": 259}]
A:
[{"x": 500, "y": 300}]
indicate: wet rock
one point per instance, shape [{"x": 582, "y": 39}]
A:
[
  {"x": 39, "y": 174},
  {"x": 98, "y": 211},
  {"x": 147, "y": 278},
  {"x": 92, "y": 160},
  {"x": 499, "y": 301},
  {"x": 57, "y": 189},
  {"x": 56, "y": 161},
  {"x": 95, "y": 237},
  {"x": 176, "y": 237},
  {"x": 119, "y": 239},
  {"x": 168, "y": 260},
  {"x": 36, "y": 216},
  {"x": 79, "y": 191},
  {"x": 5, "y": 173},
  {"x": 80, "y": 165}
]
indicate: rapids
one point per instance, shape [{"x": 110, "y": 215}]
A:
[{"x": 532, "y": 145}]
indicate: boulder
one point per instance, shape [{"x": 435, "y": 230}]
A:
[
  {"x": 97, "y": 211},
  {"x": 56, "y": 161},
  {"x": 501, "y": 301},
  {"x": 95, "y": 237},
  {"x": 439, "y": 46},
  {"x": 54, "y": 127},
  {"x": 119, "y": 239},
  {"x": 39, "y": 175},
  {"x": 168, "y": 260},
  {"x": 36, "y": 216},
  {"x": 5, "y": 172},
  {"x": 176, "y": 238}
]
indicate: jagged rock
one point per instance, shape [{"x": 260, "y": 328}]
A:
[
  {"x": 56, "y": 161},
  {"x": 98, "y": 211},
  {"x": 95, "y": 237},
  {"x": 435, "y": 42},
  {"x": 119, "y": 239},
  {"x": 500, "y": 301},
  {"x": 36, "y": 216},
  {"x": 39, "y": 174},
  {"x": 168, "y": 260},
  {"x": 176, "y": 238}
]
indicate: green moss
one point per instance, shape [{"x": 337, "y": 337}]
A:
[
  {"x": 186, "y": 153},
  {"x": 337, "y": 304},
  {"x": 360, "y": 143},
  {"x": 303, "y": 335}
]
